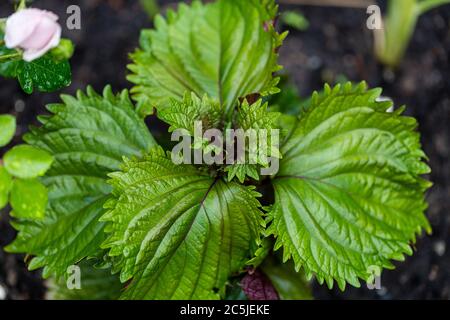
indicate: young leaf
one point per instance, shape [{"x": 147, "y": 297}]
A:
[
  {"x": 257, "y": 117},
  {"x": 177, "y": 233},
  {"x": 242, "y": 171},
  {"x": 226, "y": 49},
  {"x": 28, "y": 199},
  {"x": 6, "y": 183},
  {"x": 27, "y": 162},
  {"x": 7, "y": 129},
  {"x": 87, "y": 136},
  {"x": 349, "y": 194},
  {"x": 182, "y": 115}
]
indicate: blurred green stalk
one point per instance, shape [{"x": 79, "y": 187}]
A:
[
  {"x": 399, "y": 25},
  {"x": 151, "y": 7}
]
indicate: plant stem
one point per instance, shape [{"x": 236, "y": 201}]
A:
[
  {"x": 400, "y": 23},
  {"x": 11, "y": 56},
  {"x": 22, "y": 5},
  {"x": 399, "y": 26},
  {"x": 151, "y": 7},
  {"x": 2, "y": 24}
]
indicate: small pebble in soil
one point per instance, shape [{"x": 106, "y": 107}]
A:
[
  {"x": 330, "y": 30},
  {"x": 404, "y": 278},
  {"x": 349, "y": 61},
  {"x": 439, "y": 247},
  {"x": 2, "y": 292},
  {"x": 433, "y": 273},
  {"x": 408, "y": 85},
  {"x": 439, "y": 22},
  {"x": 434, "y": 79},
  {"x": 382, "y": 291},
  {"x": 441, "y": 144},
  {"x": 19, "y": 106},
  {"x": 388, "y": 75},
  {"x": 328, "y": 76},
  {"x": 314, "y": 63}
]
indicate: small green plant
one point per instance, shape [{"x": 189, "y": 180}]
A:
[
  {"x": 399, "y": 25},
  {"x": 348, "y": 197},
  {"x": 295, "y": 20},
  {"x": 151, "y": 7},
  {"x": 19, "y": 172}
]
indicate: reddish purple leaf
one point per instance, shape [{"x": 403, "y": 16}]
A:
[{"x": 257, "y": 286}]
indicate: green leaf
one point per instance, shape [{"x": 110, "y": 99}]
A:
[
  {"x": 87, "y": 136},
  {"x": 182, "y": 115},
  {"x": 177, "y": 233},
  {"x": 96, "y": 284},
  {"x": 242, "y": 171},
  {"x": 28, "y": 199},
  {"x": 6, "y": 183},
  {"x": 44, "y": 74},
  {"x": 349, "y": 195},
  {"x": 225, "y": 49},
  {"x": 7, "y": 129},
  {"x": 8, "y": 69},
  {"x": 256, "y": 116},
  {"x": 27, "y": 162}
]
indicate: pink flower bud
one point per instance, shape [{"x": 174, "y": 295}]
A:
[{"x": 33, "y": 30}]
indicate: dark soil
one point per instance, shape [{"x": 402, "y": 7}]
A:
[{"x": 337, "y": 45}]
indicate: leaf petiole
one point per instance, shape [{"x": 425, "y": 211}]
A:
[
  {"x": 12, "y": 56},
  {"x": 22, "y": 5}
]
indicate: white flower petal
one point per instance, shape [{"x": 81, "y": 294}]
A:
[{"x": 33, "y": 54}]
